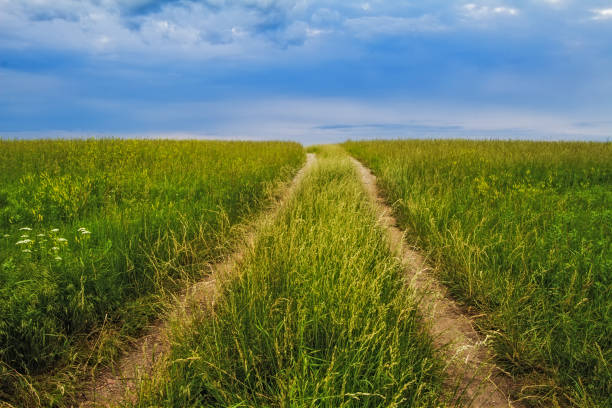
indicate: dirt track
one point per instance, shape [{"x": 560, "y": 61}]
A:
[
  {"x": 469, "y": 360},
  {"x": 469, "y": 367},
  {"x": 113, "y": 386}
]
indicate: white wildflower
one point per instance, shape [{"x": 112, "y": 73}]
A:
[
  {"x": 84, "y": 231},
  {"x": 40, "y": 235},
  {"x": 23, "y": 241},
  {"x": 58, "y": 258},
  {"x": 26, "y": 251},
  {"x": 55, "y": 230},
  {"x": 25, "y": 229},
  {"x": 6, "y": 236},
  {"x": 55, "y": 248},
  {"x": 25, "y": 236},
  {"x": 62, "y": 239}
]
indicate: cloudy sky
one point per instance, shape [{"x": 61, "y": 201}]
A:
[{"x": 306, "y": 70}]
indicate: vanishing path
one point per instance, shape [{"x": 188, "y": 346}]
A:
[
  {"x": 114, "y": 386},
  {"x": 469, "y": 360},
  {"x": 470, "y": 367}
]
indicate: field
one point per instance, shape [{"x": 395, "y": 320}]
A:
[
  {"x": 316, "y": 317},
  {"x": 298, "y": 296},
  {"x": 94, "y": 233},
  {"x": 522, "y": 233}
]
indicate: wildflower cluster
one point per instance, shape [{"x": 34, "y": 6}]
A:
[
  {"x": 84, "y": 231},
  {"x": 45, "y": 245},
  {"x": 25, "y": 240}
]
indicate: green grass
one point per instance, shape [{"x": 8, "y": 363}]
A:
[
  {"x": 522, "y": 232},
  {"x": 316, "y": 317},
  {"x": 111, "y": 225}
]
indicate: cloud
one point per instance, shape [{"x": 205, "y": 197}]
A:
[
  {"x": 602, "y": 14},
  {"x": 119, "y": 65},
  {"x": 178, "y": 28},
  {"x": 478, "y": 12},
  {"x": 330, "y": 120},
  {"x": 209, "y": 28}
]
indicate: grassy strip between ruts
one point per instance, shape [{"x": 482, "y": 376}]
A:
[
  {"x": 521, "y": 231},
  {"x": 317, "y": 315},
  {"x": 94, "y": 232}
]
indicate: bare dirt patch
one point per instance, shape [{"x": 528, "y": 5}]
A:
[{"x": 472, "y": 376}]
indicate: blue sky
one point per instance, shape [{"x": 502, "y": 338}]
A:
[{"x": 306, "y": 70}]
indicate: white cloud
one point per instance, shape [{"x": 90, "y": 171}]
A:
[
  {"x": 602, "y": 14},
  {"x": 314, "y": 32},
  {"x": 191, "y": 30},
  {"x": 555, "y": 4},
  {"x": 188, "y": 29},
  {"x": 242, "y": 29},
  {"x": 478, "y": 11}
]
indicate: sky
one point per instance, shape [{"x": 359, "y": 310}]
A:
[{"x": 306, "y": 70}]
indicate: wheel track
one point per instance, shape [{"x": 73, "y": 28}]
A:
[
  {"x": 112, "y": 387},
  {"x": 473, "y": 378}
]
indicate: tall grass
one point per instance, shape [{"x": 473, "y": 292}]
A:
[
  {"x": 522, "y": 232},
  {"x": 317, "y": 316},
  {"x": 93, "y": 232}
]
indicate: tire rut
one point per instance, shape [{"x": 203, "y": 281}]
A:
[
  {"x": 112, "y": 387},
  {"x": 473, "y": 378}
]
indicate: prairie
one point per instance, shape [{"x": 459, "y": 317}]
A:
[
  {"x": 521, "y": 233},
  {"x": 94, "y": 233}
]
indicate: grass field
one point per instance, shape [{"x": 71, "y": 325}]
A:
[
  {"x": 317, "y": 316},
  {"x": 92, "y": 233},
  {"x": 97, "y": 236},
  {"x": 522, "y": 232}
]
